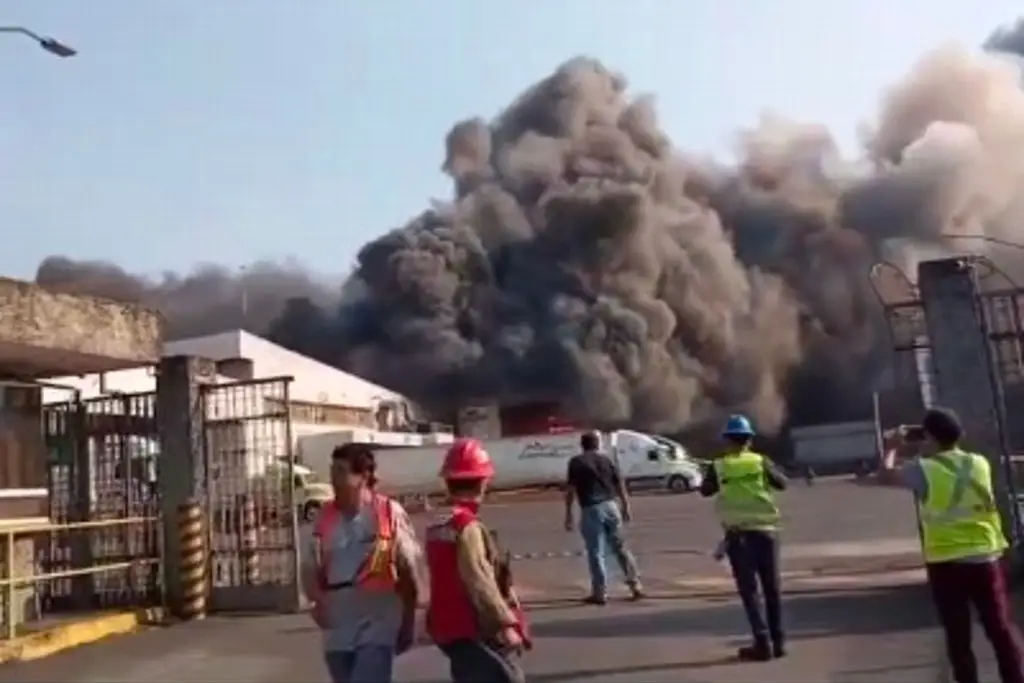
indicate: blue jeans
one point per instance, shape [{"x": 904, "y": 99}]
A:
[
  {"x": 365, "y": 664},
  {"x": 601, "y": 528}
]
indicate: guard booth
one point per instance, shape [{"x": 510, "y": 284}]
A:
[{"x": 47, "y": 334}]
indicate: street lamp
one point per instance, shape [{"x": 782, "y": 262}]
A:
[{"x": 51, "y": 45}]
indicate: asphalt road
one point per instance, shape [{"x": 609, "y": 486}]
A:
[
  {"x": 880, "y": 633},
  {"x": 832, "y": 510},
  {"x": 835, "y": 526},
  {"x": 851, "y": 616}
]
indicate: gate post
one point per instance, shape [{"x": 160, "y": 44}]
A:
[
  {"x": 181, "y": 466},
  {"x": 83, "y": 588}
]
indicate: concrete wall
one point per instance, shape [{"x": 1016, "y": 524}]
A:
[{"x": 45, "y": 333}]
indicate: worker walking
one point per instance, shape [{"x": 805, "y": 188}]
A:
[
  {"x": 359, "y": 573},
  {"x": 475, "y": 620},
  {"x": 594, "y": 480},
  {"x": 743, "y": 483},
  {"x": 962, "y": 540}
]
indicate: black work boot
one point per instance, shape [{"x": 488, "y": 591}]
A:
[
  {"x": 778, "y": 648},
  {"x": 760, "y": 651},
  {"x": 594, "y": 599}
]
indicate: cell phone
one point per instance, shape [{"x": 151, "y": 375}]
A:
[{"x": 913, "y": 433}]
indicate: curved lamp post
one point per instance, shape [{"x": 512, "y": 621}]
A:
[{"x": 51, "y": 45}]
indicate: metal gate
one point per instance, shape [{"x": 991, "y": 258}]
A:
[
  {"x": 910, "y": 385},
  {"x": 997, "y": 302},
  {"x": 247, "y": 483},
  {"x": 102, "y": 467}
]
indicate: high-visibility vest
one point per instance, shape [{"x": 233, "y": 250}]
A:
[
  {"x": 379, "y": 571},
  {"x": 744, "y": 500},
  {"x": 959, "y": 516}
]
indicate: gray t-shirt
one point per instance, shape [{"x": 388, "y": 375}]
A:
[
  {"x": 360, "y": 617},
  {"x": 913, "y": 478}
]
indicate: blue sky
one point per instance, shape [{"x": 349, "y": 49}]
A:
[{"x": 237, "y": 130}]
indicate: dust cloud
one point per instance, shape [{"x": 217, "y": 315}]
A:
[{"x": 584, "y": 259}]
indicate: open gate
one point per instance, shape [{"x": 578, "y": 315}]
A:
[
  {"x": 247, "y": 484},
  {"x": 985, "y": 386},
  {"x": 910, "y": 386}
]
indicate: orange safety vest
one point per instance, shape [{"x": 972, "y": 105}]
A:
[{"x": 378, "y": 572}]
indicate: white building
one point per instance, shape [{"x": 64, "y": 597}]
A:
[{"x": 322, "y": 398}]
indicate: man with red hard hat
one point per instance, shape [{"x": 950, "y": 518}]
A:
[{"x": 476, "y": 622}]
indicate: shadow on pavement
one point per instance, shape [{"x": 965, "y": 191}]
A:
[
  {"x": 866, "y": 612},
  {"x": 639, "y": 670}
]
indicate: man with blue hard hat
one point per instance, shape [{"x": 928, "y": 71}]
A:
[{"x": 744, "y": 484}]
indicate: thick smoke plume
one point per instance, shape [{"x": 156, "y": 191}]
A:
[
  {"x": 210, "y": 299},
  {"x": 585, "y": 259}
]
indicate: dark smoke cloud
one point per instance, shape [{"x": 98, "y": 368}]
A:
[
  {"x": 210, "y": 299},
  {"x": 585, "y": 259}
]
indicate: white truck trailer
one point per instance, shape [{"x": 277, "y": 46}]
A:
[{"x": 520, "y": 462}]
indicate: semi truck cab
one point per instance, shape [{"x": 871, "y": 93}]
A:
[{"x": 646, "y": 460}]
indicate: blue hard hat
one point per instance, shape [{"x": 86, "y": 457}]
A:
[{"x": 738, "y": 425}]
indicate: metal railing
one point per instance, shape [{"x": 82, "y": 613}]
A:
[{"x": 52, "y": 569}]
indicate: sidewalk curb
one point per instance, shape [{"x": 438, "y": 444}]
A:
[{"x": 48, "y": 642}]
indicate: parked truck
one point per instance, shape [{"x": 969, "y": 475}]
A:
[{"x": 522, "y": 461}]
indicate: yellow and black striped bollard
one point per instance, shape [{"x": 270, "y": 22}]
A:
[
  {"x": 193, "y": 561},
  {"x": 250, "y": 541}
]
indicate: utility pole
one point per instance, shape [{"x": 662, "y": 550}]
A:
[{"x": 245, "y": 294}]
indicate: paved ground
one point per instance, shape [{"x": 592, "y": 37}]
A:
[
  {"x": 880, "y": 633},
  {"x": 873, "y": 626},
  {"x": 833, "y": 526}
]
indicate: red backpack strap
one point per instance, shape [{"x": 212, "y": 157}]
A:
[
  {"x": 384, "y": 510},
  {"x": 461, "y": 518}
]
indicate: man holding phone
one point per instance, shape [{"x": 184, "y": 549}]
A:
[{"x": 962, "y": 539}]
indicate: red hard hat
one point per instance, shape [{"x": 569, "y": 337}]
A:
[{"x": 467, "y": 459}]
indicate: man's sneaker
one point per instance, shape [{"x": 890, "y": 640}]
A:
[
  {"x": 595, "y": 600},
  {"x": 636, "y": 592},
  {"x": 778, "y": 650},
  {"x": 755, "y": 653}
]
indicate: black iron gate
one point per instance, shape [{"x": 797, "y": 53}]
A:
[
  {"x": 997, "y": 317},
  {"x": 248, "y": 485},
  {"x": 102, "y": 476}
]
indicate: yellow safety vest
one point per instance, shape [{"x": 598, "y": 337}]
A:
[
  {"x": 745, "y": 500},
  {"x": 959, "y": 517}
]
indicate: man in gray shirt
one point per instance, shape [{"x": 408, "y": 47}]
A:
[{"x": 367, "y": 616}]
